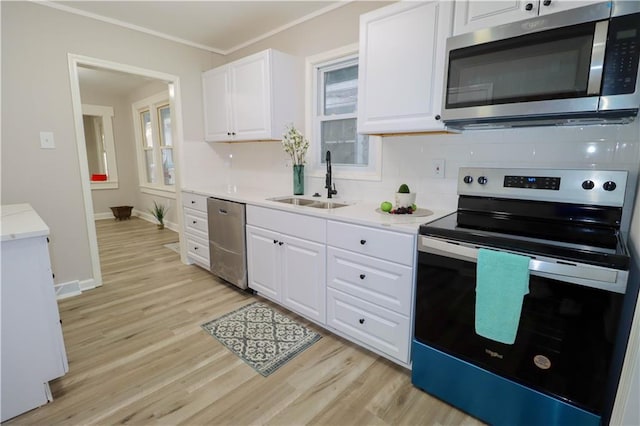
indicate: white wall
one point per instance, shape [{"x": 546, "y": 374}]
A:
[
  {"x": 407, "y": 159},
  {"x": 36, "y": 96}
]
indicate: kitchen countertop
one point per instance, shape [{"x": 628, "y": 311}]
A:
[
  {"x": 359, "y": 212},
  {"x": 21, "y": 221}
]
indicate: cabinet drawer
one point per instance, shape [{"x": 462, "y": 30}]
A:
[
  {"x": 388, "y": 245},
  {"x": 297, "y": 225},
  {"x": 194, "y": 201},
  {"x": 377, "y": 281},
  {"x": 198, "y": 249},
  {"x": 384, "y": 330},
  {"x": 195, "y": 222}
]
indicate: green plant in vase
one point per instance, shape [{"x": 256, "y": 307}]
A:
[
  {"x": 295, "y": 144},
  {"x": 159, "y": 211}
]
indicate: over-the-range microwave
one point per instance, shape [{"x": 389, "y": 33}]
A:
[{"x": 574, "y": 67}]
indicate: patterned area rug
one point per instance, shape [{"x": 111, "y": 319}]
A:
[{"x": 263, "y": 337}]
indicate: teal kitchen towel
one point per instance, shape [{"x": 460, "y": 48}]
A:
[{"x": 502, "y": 280}]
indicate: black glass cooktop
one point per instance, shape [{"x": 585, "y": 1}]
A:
[{"x": 577, "y": 242}]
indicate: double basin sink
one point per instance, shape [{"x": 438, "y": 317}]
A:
[{"x": 306, "y": 202}]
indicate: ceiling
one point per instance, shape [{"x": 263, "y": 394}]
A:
[{"x": 217, "y": 26}]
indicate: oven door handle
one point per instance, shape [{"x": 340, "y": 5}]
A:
[{"x": 591, "y": 276}]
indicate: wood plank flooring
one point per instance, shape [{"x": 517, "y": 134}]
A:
[{"x": 137, "y": 355}]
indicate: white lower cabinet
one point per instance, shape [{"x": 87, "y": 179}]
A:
[
  {"x": 288, "y": 269},
  {"x": 196, "y": 231},
  {"x": 370, "y": 287},
  {"x": 380, "y": 328},
  {"x": 33, "y": 351},
  {"x": 356, "y": 281}
]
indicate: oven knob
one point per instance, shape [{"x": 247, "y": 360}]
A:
[
  {"x": 482, "y": 180},
  {"x": 467, "y": 179},
  {"x": 588, "y": 184},
  {"x": 609, "y": 185}
]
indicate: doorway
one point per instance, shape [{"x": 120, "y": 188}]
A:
[{"x": 134, "y": 76}]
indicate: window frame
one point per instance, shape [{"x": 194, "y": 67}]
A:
[
  {"x": 153, "y": 104},
  {"x": 106, "y": 113},
  {"x": 313, "y": 97}
]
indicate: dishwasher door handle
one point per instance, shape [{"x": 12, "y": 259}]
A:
[{"x": 222, "y": 211}]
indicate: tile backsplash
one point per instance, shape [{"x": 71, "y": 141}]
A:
[{"x": 407, "y": 159}]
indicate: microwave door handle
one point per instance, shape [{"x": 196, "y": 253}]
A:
[{"x": 597, "y": 58}]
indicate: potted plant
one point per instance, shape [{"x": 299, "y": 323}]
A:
[
  {"x": 404, "y": 197},
  {"x": 159, "y": 211},
  {"x": 296, "y": 145}
]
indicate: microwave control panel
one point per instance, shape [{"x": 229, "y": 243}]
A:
[{"x": 622, "y": 55}]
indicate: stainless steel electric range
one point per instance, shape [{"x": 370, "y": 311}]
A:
[{"x": 568, "y": 223}]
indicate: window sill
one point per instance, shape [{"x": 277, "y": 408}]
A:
[
  {"x": 113, "y": 184},
  {"x": 160, "y": 192}
]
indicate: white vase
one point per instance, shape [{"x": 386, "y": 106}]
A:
[{"x": 405, "y": 200}]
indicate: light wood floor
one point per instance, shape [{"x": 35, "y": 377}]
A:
[{"x": 137, "y": 355}]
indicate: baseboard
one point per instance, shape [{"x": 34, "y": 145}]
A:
[
  {"x": 149, "y": 218},
  {"x": 68, "y": 289},
  {"x": 142, "y": 215},
  {"x": 74, "y": 288},
  {"x": 89, "y": 284}
]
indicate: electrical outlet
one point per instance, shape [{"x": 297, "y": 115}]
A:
[
  {"x": 46, "y": 140},
  {"x": 437, "y": 168}
]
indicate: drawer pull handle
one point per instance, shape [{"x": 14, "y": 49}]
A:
[
  {"x": 361, "y": 320},
  {"x": 362, "y": 276},
  {"x": 363, "y": 242}
]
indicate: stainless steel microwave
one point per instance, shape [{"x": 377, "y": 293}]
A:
[{"x": 574, "y": 67}]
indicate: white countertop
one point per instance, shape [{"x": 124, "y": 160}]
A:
[
  {"x": 358, "y": 211},
  {"x": 21, "y": 221}
]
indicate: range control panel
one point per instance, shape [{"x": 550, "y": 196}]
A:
[
  {"x": 533, "y": 182},
  {"x": 594, "y": 187}
]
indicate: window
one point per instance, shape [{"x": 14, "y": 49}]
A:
[
  {"x": 101, "y": 153},
  {"x": 152, "y": 120},
  {"x": 333, "y": 94}
]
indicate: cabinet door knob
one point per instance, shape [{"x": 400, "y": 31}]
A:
[
  {"x": 193, "y": 201},
  {"x": 195, "y": 248},
  {"x": 362, "y": 276},
  {"x": 233, "y": 133},
  {"x": 275, "y": 241},
  {"x": 280, "y": 243},
  {"x": 529, "y": 6},
  {"x": 546, "y": 2},
  {"x": 361, "y": 320},
  {"x": 363, "y": 242},
  {"x": 194, "y": 222},
  {"x": 228, "y": 133},
  {"x": 437, "y": 117}
]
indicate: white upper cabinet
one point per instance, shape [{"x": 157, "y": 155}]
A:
[
  {"x": 253, "y": 98},
  {"x": 472, "y": 15},
  {"x": 401, "y": 66}
]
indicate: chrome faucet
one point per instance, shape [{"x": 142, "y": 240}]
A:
[{"x": 327, "y": 183}]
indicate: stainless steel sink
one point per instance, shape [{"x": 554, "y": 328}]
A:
[
  {"x": 316, "y": 204},
  {"x": 327, "y": 205}
]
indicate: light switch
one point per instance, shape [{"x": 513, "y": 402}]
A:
[{"x": 46, "y": 140}]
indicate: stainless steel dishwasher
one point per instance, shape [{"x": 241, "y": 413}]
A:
[{"x": 227, "y": 247}]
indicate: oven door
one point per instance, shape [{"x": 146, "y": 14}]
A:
[{"x": 565, "y": 336}]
